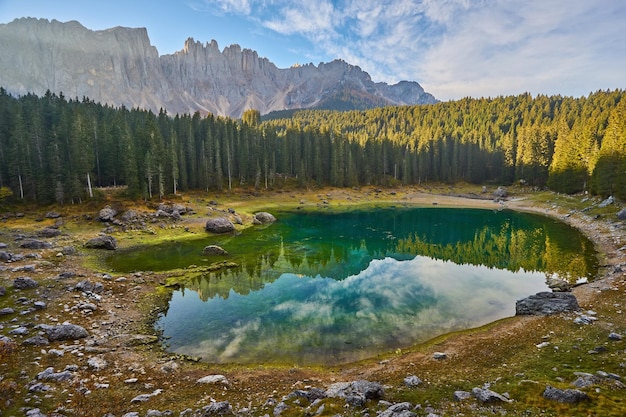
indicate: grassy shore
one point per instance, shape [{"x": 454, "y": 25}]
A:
[{"x": 504, "y": 355}]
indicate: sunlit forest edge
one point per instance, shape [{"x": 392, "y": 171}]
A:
[{"x": 59, "y": 150}]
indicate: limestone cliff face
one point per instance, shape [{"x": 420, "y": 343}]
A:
[{"x": 119, "y": 66}]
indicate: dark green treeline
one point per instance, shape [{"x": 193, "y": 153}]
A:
[{"x": 52, "y": 149}]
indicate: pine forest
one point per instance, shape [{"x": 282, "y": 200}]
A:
[{"x": 54, "y": 149}]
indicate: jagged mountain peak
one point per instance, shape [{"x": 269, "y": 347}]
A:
[{"x": 119, "y": 66}]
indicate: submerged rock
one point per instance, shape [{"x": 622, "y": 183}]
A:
[
  {"x": 214, "y": 250},
  {"x": 264, "y": 217},
  {"x": 546, "y": 303}
]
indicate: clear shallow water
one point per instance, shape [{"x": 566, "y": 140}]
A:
[{"x": 324, "y": 288}]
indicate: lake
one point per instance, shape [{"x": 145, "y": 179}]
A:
[{"x": 324, "y": 287}]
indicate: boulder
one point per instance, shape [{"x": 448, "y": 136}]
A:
[
  {"x": 49, "y": 375},
  {"x": 356, "y": 393},
  {"x": 500, "y": 192},
  {"x": 219, "y": 225},
  {"x": 488, "y": 396},
  {"x": 220, "y": 408},
  {"x": 102, "y": 242},
  {"x": 214, "y": 250},
  {"x": 6, "y": 311},
  {"x": 5, "y": 256},
  {"x": 24, "y": 283},
  {"x": 129, "y": 216},
  {"x": 412, "y": 381},
  {"x": 53, "y": 215},
  {"x": 36, "y": 341},
  {"x": 264, "y": 217},
  {"x": 213, "y": 379},
  {"x": 546, "y": 303},
  {"x": 35, "y": 244},
  {"x": 107, "y": 214},
  {"x": 66, "y": 332},
  {"x": 49, "y": 232},
  {"x": 622, "y": 214},
  {"x": 610, "y": 200},
  {"x": 568, "y": 396}
]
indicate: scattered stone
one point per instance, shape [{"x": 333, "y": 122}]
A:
[
  {"x": 610, "y": 200},
  {"x": 170, "y": 367},
  {"x": 488, "y": 396},
  {"x": 500, "y": 192},
  {"x": 546, "y": 303},
  {"x": 69, "y": 250},
  {"x": 264, "y": 217},
  {"x": 24, "y": 283},
  {"x": 213, "y": 379},
  {"x": 5, "y": 339},
  {"x": 584, "y": 319},
  {"x": 35, "y": 412},
  {"x": 569, "y": 396},
  {"x": 35, "y": 244},
  {"x": 219, "y": 225},
  {"x": 5, "y": 256},
  {"x": 36, "y": 341},
  {"x": 39, "y": 387},
  {"x": 97, "y": 363},
  {"x": 6, "y": 311},
  {"x": 107, "y": 214},
  {"x": 24, "y": 268},
  {"x": 53, "y": 215},
  {"x": 398, "y": 410},
  {"x": 102, "y": 242},
  {"x": 439, "y": 356},
  {"x": 19, "y": 331},
  {"x": 145, "y": 397},
  {"x": 558, "y": 285},
  {"x": 356, "y": 393},
  {"x": 40, "y": 305},
  {"x": 129, "y": 216},
  {"x": 622, "y": 214},
  {"x": 50, "y": 375},
  {"x": 66, "y": 332},
  {"x": 461, "y": 395},
  {"x": 49, "y": 232},
  {"x": 3, "y": 291},
  {"x": 220, "y": 408},
  {"x": 214, "y": 250},
  {"x": 412, "y": 381},
  {"x": 615, "y": 336}
]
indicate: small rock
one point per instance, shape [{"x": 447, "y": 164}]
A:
[
  {"x": 412, "y": 381},
  {"x": 461, "y": 395},
  {"x": 66, "y": 332},
  {"x": 217, "y": 409},
  {"x": 213, "y": 379},
  {"x": 3, "y": 291},
  {"x": 102, "y": 242},
  {"x": 610, "y": 200},
  {"x": 97, "y": 363},
  {"x": 569, "y": 396},
  {"x": 439, "y": 356},
  {"x": 615, "y": 336},
  {"x": 35, "y": 244},
  {"x": 36, "y": 341},
  {"x": 50, "y": 375},
  {"x": 40, "y": 305},
  {"x": 398, "y": 410},
  {"x": 488, "y": 396},
  {"x": 145, "y": 397},
  {"x": 24, "y": 283},
  {"x": 622, "y": 214},
  {"x": 52, "y": 215},
  {"x": 19, "y": 331},
  {"x": 6, "y": 311},
  {"x": 107, "y": 214}
]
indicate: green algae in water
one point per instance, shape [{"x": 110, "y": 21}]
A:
[{"x": 328, "y": 288}]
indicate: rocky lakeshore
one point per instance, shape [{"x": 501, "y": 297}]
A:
[{"x": 76, "y": 340}]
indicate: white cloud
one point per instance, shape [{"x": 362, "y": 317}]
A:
[{"x": 456, "y": 48}]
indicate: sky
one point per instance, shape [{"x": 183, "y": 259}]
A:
[{"x": 453, "y": 48}]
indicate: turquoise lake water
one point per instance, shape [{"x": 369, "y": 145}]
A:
[{"x": 319, "y": 287}]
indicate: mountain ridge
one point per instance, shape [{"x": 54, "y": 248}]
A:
[{"x": 119, "y": 66}]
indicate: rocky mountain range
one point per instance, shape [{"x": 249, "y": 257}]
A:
[{"x": 119, "y": 66}]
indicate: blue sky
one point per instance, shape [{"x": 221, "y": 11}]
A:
[{"x": 453, "y": 48}]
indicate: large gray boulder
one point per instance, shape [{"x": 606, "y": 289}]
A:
[
  {"x": 356, "y": 393},
  {"x": 66, "y": 331},
  {"x": 219, "y": 225},
  {"x": 24, "y": 283},
  {"x": 546, "y": 303},
  {"x": 107, "y": 214},
  {"x": 568, "y": 396},
  {"x": 102, "y": 242},
  {"x": 264, "y": 217},
  {"x": 35, "y": 244}
]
